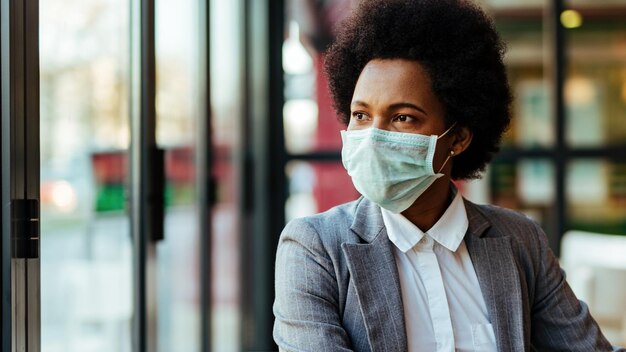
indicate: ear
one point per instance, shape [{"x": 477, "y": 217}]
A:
[{"x": 462, "y": 139}]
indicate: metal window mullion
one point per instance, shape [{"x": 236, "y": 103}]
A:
[
  {"x": 248, "y": 171},
  {"x": 20, "y": 178},
  {"x": 32, "y": 168},
  {"x": 264, "y": 168},
  {"x": 559, "y": 63},
  {"x": 204, "y": 180},
  {"x": 143, "y": 143},
  {"x": 6, "y": 76}
]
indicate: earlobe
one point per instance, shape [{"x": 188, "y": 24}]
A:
[{"x": 463, "y": 138}]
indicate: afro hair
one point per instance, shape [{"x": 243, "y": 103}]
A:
[{"x": 460, "y": 49}]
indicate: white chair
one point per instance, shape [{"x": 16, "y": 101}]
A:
[{"x": 596, "y": 270}]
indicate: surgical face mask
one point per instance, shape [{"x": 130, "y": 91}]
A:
[{"x": 391, "y": 169}]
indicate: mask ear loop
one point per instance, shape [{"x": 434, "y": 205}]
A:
[
  {"x": 451, "y": 152},
  {"x": 446, "y": 161},
  {"x": 448, "y": 130}
]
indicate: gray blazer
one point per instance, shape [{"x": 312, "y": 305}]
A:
[{"x": 337, "y": 285}]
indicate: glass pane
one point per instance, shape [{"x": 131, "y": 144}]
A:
[
  {"x": 526, "y": 186},
  {"x": 593, "y": 253},
  {"x": 596, "y": 271},
  {"x": 86, "y": 258},
  {"x": 309, "y": 119},
  {"x": 595, "y": 90},
  {"x": 226, "y": 108},
  {"x": 520, "y": 23},
  {"x": 316, "y": 187},
  {"x": 178, "y": 255},
  {"x": 596, "y": 193}
]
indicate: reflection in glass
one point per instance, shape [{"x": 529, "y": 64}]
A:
[
  {"x": 596, "y": 190},
  {"x": 86, "y": 260},
  {"x": 535, "y": 182},
  {"x": 526, "y": 186},
  {"x": 301, "y": 201},
  {"x": 585, "y": 125},
  {"x": 300, "y": 121},
  {"x": 596, "y": 84},
  {"x": 300, "y": 113},
  {"x": 532, "y": 125},
  {"x": 308, "y": 31},
  {"x": 226, "y": 108},
  {"x": 316, "y": 187},
  {"x": 178, "y": 254},
  {"x": 596, "y": 271},
  {"x": 296, "y": 60}
]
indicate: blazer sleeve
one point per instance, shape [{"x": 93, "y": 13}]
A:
[
  {"x": 306, "y": 302},
  {"x": 560, "y": 322}
]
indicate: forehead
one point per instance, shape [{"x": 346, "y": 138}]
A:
[{"x": 386, "y": 80}]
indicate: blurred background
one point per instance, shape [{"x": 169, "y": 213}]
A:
[{"x": 271, "y": 145}]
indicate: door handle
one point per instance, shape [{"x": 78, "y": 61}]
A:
[{"x": 157, "y": 195}]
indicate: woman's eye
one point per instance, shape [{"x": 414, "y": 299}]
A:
[
  {"x": 404, "y": 118},
  {"x": 359, "y": 116}
]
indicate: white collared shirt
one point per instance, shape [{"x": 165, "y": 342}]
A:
[{"x": 444, "y": 309}]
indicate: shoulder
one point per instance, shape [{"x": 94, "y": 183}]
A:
[
  {"x": 327, "y": 229},
  {"x": 340, "y": 215}
]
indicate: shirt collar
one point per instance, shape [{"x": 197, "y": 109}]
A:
[{"x": 448, "y": 231}]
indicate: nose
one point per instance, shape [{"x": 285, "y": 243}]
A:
[{"x": 380, "y": 123}]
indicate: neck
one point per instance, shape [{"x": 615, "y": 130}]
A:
[{"x": 430, "y": 206}]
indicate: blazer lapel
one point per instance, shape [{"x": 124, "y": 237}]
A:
[
  {"x": 499, "y": 278},
  {"x": 374, "y": 275}
]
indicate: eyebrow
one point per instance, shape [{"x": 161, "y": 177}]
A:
[{"x": 392, "y": 106}]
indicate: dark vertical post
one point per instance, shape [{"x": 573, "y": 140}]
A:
[
  {"x": 142, "y": 151},
  {"x": 19, "y": 48},
  {"x": 278, "y": 153},
  {"x": 204, "y": 178},
  {"x": 264, "y": 168},
  {"x": 32, "y": 173},
  {"x": 250, "y": 161},
  {"x": 558, "y": 81},
  {"x": 5, "y": 191}
]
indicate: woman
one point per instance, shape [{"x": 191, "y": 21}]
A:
[{"x": 411, "y": 265}]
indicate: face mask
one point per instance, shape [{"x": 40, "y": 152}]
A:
[{"x": 391, "y": 169}]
